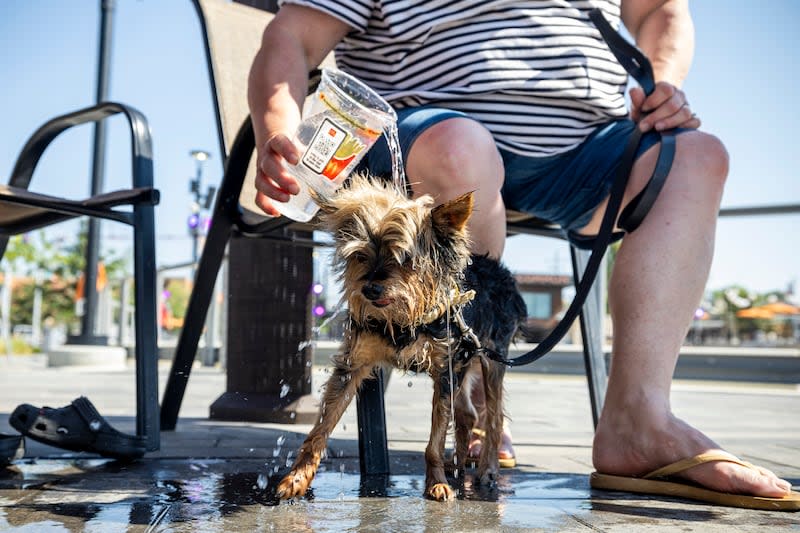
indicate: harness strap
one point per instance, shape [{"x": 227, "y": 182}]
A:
[{"x": 639, "y": 67}]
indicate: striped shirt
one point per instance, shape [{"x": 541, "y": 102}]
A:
[{"x": 536, "y": 73}]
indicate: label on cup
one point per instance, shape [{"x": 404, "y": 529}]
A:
[{"x": 323, "y": 155}]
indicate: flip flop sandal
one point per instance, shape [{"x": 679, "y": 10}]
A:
[
  {"x": 77, "y": 427},
  {"x": 662, "y": 482},
  {"x": 472, "y": 461},
  {"x": 12, "y": 447}
]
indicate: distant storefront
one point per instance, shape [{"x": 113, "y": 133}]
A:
[{"x": 543, "y": 299}]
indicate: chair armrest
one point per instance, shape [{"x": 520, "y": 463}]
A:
[{"x": 141, "y": 142}]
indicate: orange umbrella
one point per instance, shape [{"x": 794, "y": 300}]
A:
[
  {"x": 755, "y": 312},
  {"x": 781, "y": 308}
]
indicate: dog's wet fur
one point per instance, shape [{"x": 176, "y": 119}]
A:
[{"x": 406, "y": 268}]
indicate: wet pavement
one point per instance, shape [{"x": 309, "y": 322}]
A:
[{"x": 219, "y": 477}]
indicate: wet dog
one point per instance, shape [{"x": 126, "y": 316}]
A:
[{"x": 417, "y": 301}]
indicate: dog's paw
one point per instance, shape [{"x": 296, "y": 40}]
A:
[
  {"x": 295, "y": 483},
  {"x": 441, "y": 492}
]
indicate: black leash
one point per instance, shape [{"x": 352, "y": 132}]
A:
[{"x": 639, "y": 67}]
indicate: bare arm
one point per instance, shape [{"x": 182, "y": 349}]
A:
[
  {"x": 295, "y": 41},
  {"x": 664, "y": 31}
]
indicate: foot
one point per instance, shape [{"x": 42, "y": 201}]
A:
[
  {"x": 505, "y": 453},
  {"x": 626, "y": 446}
]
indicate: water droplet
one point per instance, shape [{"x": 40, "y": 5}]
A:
[
  {"x": 285, "y": 388},
  {"x": 410, "y": 383},
  {"x": 261, "y": 481},
  {"x": 94, "y": 425},
  {"x": 344, "y": 427}
]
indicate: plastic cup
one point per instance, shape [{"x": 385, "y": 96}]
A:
[{"x": 342, "y": 120}]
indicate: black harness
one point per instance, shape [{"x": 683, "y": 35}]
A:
[{"x": 464, "y": 344}]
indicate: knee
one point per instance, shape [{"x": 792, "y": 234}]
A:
[
  {"x": 455, "y": 156},
  {"x": 707, "y": 157}
]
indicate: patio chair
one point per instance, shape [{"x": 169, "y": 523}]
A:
[
  {"x": 232, "y": 35},
  {"x": 22, "y": 210}
]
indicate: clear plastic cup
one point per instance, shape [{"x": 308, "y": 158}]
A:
[{"x": 341, "y": 122}]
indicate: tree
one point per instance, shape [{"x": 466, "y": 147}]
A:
[{"x": 54, "y": 267}]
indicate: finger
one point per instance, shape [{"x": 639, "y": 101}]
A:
[
  {"x": 272, "y": 168},
  {"x": 637, "y": 99},
  {"x": 283, "y": 146},
  {"x": 272, "y": 188},
  {"x": 693, "y": 123},
  {"x": 661, "y": 94},
  {"x": 266, "y": 205},
  {"x": 681, "y": 116},
  {"x": 668, "y": 114}
]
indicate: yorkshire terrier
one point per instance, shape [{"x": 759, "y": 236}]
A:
[{"x": 417, "y": 301}]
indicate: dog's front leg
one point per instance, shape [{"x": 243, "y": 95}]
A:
[
  {"x": 436, "y": 486},
  {"x": 339, "y": 391}
]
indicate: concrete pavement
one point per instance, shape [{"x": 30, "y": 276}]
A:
[{"x": 215, "y": 476}]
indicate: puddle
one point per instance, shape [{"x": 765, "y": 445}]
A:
[{"x": 221, "y": 496}]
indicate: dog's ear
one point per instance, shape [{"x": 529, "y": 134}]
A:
[{"x": 453, "y": 215}]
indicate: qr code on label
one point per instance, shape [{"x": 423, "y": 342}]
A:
[{"x": 327, "y": 140}]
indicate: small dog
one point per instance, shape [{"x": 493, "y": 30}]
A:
[{"x": 408, "y": 279}]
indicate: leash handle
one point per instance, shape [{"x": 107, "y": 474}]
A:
[{"x": 639, "y": 67}]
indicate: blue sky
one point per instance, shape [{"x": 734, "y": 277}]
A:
[{"x": 742, "y": 84}]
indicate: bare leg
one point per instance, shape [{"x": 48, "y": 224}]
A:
[
  {"x": 505, "y": 450},
  {"x": 456, "y": 156},
  {"x": 658, "y": 280}
]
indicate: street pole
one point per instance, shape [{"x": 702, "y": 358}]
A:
[
  {"x": 88, "y": 320},
  {"x": 200, "y": 203}
]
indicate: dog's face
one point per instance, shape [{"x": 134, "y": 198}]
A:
[{"x": 397, "y": 257}]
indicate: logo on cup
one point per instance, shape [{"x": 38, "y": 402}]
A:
[{"x": 331, "y": 150}]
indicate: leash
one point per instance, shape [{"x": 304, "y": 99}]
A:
[{"x": 639, "y": 67}]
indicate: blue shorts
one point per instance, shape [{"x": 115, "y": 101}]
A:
[{"x": 566, "y": 188}]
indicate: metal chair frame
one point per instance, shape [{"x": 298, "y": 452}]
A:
[{"x": 25, "y": 210}]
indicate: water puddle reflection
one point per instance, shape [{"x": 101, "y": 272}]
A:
[{"x": 237, "y": 495}]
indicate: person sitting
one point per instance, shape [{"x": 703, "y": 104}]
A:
[{"x": 523, "y": 103}]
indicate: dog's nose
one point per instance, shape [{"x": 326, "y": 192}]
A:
[{"x": 372, "y": 291}]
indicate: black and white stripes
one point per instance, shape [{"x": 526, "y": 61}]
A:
[{"x": 536, "y": 73}]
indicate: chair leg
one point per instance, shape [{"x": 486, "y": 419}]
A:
[
  {"x": 199, "y": 302},
  {"x": 147, "y": 423},
  {"x": 592, "y": 335},
  {"x": 373, "y": 450}
]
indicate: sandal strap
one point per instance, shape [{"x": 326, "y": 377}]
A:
[
  {"x": 685, "y": 464},
  {"x": 85, "y": 408}
]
